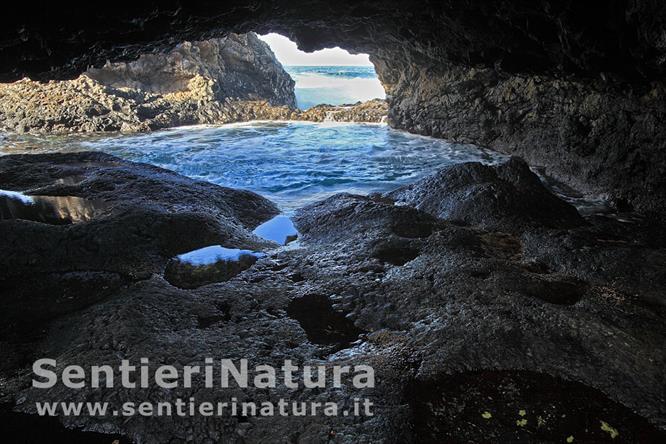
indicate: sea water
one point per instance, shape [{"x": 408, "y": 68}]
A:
[
  {"x": 291, "y": 163},
  {"x": 334, "y": 85}
]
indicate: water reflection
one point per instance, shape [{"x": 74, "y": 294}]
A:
[
  {"x": 6, "y": 194},
  {"x": 56, "y": 210},
  {"x": 210, "y": 264},
  {"x": 216, "y": 253},
  {"x": 280, "y": 230}
]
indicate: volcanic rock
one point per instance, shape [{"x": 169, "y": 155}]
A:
[
  {"x": 149, "y": 215},
  {"x": 372, "y": 111},
  {"x": 506, "y": 197},
  {"x": 452, "y": 318},
  {"x": 235, "y": 78}
]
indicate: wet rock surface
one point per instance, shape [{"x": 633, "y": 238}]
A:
[
  {"x": 505, "y": 198},
  {"x": 56, "y": 210},
  {"x": 149, "y": 215},
  {"x": 566, "y": 324}
]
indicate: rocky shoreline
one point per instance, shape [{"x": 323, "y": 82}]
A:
[
  {"x": 432, "y": 296},
  {"x": 32, "y": 107},
  {"x": 218, "y": 81}
]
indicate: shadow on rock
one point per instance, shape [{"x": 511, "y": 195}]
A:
[
  {"x": 520, "y": 406},
  {"x": 322, "y": 323}
]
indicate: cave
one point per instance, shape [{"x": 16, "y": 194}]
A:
[{"x": 487, "y": 236}]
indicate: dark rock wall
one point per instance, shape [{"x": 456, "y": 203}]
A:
[
  {"x": 596, "y": 137},
  {"x": 623, "y": 37},
  {"x": 571, "y": 85}
]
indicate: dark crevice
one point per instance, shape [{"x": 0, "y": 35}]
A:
[
  {"x": 414, "y": 228},
  {"x": 395, "y": 255},
  {"x": 322, "y": 323},
  {"x": 536, "y": 267},
  {"x": 33, "y": 429},
  {"x": 560, "y": 292}
]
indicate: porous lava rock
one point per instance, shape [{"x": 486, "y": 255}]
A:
[
  {"x": 452, "y": 318},
  {"x": 148, "y": 215},
  {"x": 230, "y": 79}
]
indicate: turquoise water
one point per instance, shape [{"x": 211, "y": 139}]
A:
[
  {"x": 334, "y": 85},
  {"x": 293, "y": 163}
]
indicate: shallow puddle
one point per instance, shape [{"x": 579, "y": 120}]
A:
[
  {"x": 55, "y": 210},
  {"x": 208, "y": 265},
  {"x": 279, "y": 229},
  {"x": 216, "y": 253}
]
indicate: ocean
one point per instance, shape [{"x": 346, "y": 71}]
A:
[{"x": 334, "y": 85}]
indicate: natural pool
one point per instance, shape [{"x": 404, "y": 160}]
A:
[{"x": 291, "y": 163}]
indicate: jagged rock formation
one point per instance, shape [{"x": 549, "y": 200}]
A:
[
  {"x": 84, "y": 105},
  {"x": 572, "y": 86},
  {"x": 596, "y": 135},
  {"x": 235, "y": 78},
  {"x": 372, "y": 111},
  {"x": 565, "y": 323},
  {"x": 238, "y": 66}
]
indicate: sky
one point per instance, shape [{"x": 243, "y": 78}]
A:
[{"x": 288, "y": 53}]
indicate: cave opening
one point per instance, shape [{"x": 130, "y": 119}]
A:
[
  {"x": 330, "y": 76},
  {"x": 292, "y": 125}
]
